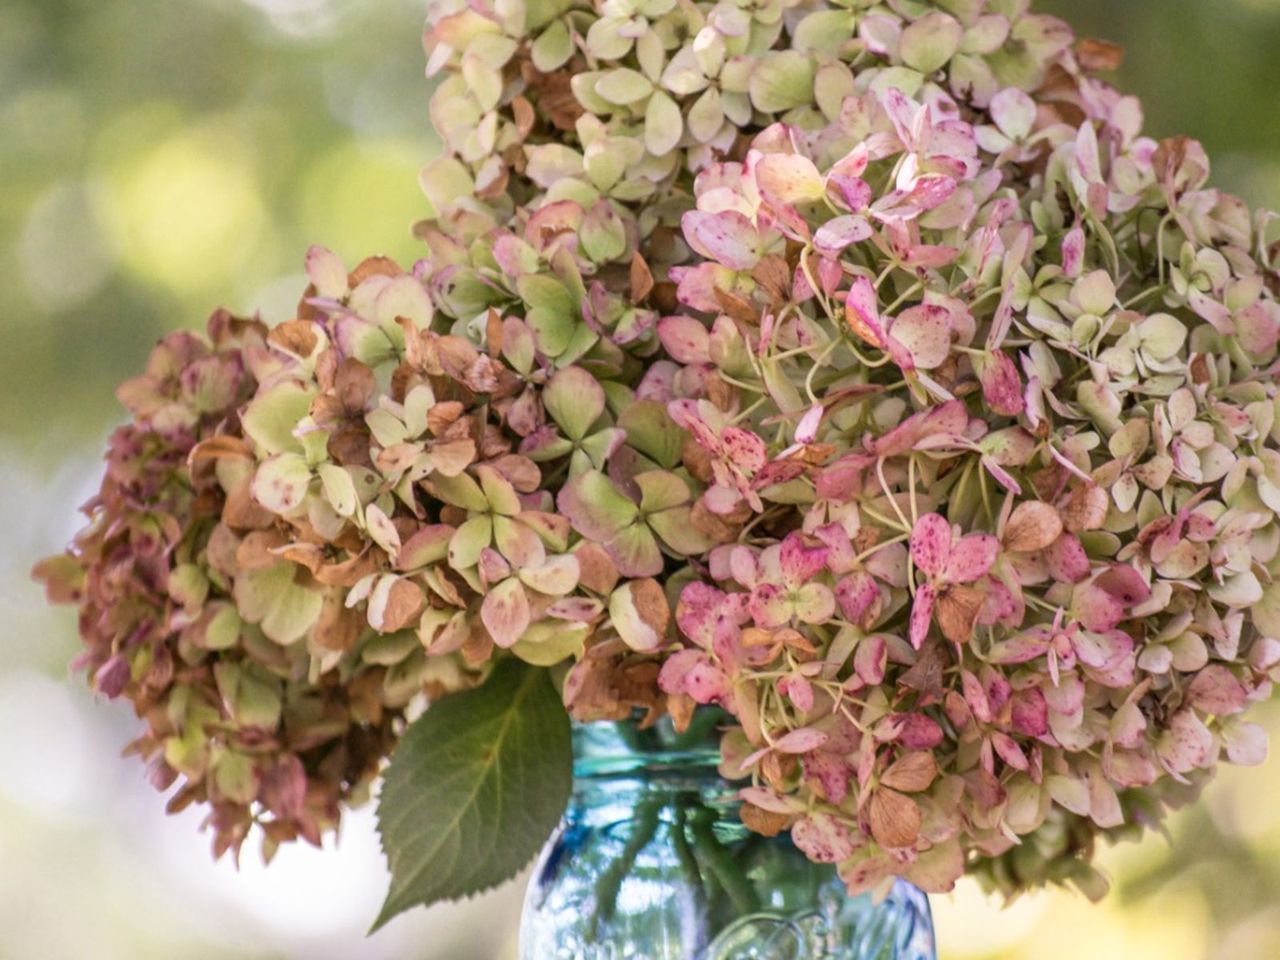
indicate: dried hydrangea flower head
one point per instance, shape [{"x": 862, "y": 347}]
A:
[
  {"x": 191, "y": 609},
  {"x": 857, "y": 368},
  {"x": 955, "y": 345}
]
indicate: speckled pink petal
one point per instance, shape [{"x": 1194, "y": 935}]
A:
[
  {"x": 931, "y": 542},
  {"x": 505, "y": 612},
  {"x": 800, "y": 563},
  {"x": 770, "y": 606},
  {"x": 800, "y": 741},
  {"x": 696, "y": 286},
  {"x": 746, "y": 450},
  {"x": 1066, "y": 559},
  {"x": 922, "y": 614},
  {"x": 948, "y": 418},
  {"x": 707, "y": 684},
  {"x": 863, "y": 314},
  {"x": 823, "y": 838},
  {"x": 675, "y": 672},
  {"x": 788, "y": 178},
  {"x": 1187, "y": 744},
  {"x": 1073, "y": 245},
  {"x": 870, "y": 660},
  {"x": 1096, "y": 609},
  {"x": 696, "y": 612},
  {"x": 836, "y": 235},
  {"x": 728, "y": 238},
  {"x": 798, "y": 690},
  {"x": 925, "y": 331},
  {"x": 855, "y": 594},
  {"x": 1001, "y": 385},
  {"x": 1216, "y": 690},
  {"x": 685, "y": 339},
  {"x": 814, "y": 603},
  {"x": 971, "y": 558}
]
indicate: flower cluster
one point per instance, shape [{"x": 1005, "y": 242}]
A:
[{"x": 856, "y": 368}]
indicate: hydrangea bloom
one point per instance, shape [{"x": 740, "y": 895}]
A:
[{"x": 857, "y": 368}]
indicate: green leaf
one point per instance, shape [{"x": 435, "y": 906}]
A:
[{"x": 474, "y": 789}]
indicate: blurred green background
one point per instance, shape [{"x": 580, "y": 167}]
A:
[{"x": 161, "y": 157}]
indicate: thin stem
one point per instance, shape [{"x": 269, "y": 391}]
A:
[{"x": 645, "y": 827}]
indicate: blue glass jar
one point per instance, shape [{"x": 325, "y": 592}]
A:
[{"x": 652, "y": 863}]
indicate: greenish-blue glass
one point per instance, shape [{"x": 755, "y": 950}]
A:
[{"x": 652, "y": 863}]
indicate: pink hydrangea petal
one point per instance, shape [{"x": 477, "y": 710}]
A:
[
  {"x": 770, "y": 606},
  {"x": 971, "y": 558},
  {"x": 1030, "y": 713},
  {"x": 1073, "y": 252},
  {"x": 870, "y": 660},
  {"x": 1001, "y": 385},
  {"x": 836, "y": 235},
  {"x": 1014, "y": 113},
  {"x": 799, "y": 563},
  {"x": 925, "y": 331},
  {"x": 675, "y": 671},
  {"x": 855, "y": 594},
  {"x": 728, "y": 238},
  {"x": 922, "y": 614},
  {"x": 823, "y": 838},
  {"x": 686, "y": 340},
  {"x": 746, "y": 450},
  {"x": 798, "y": 690},
  {"x": 949, "y": 418},
  {"x": 1246, "y": 744},
  {"x": 1066, "y": 559},
  {"x": 800, "y": 741},
  {"x": 863, "y": 314},
  {"x": 1097, "y": 609},
  {"x": 931, "y": 542},
  {"x": 1216, "y": 690},
  {"x": 696, "y": 286},
  {"x": 505, "y": 612},
  {"x": 814, "y": 603},
  {"x": 707, "y": 684},
  {"x": 1186, "y": 745},
  {"x": 831, "y": 774},
  {"x": 788, "y": 178}
]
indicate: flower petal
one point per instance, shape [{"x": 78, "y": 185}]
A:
[{"x": 931, "y": 544}]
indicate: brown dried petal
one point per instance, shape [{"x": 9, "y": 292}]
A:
[
  {"x": 958, "y": 608},
  {"x": 354, "y": 384},
  {"x": 337, "y": 628},
  {"x": 1032, "y": 526},
  {"x": 374, "y": 267},
  {"x": 895, "y": 819},
  {"x": 641, "y": 278},
  {"x": 242, "y": 512},
  {"x": 1085, "y": 509},
  {"x": 296, "y": 336},
  {"x": 598, "y": 573},
  {"x": 761, "y": 821},
  {"x": 220, "y": 448},
  {"x": 404, "y": 603},
  {"x": 713, "y": 526},
  {"x": 1098, "y": 56},
  {"x": 912, "y": 772}
]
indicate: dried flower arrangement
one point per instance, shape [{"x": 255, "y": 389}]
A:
[{"x": 857, "y": 368}]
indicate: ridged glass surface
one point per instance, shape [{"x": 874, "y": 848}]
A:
[{"x": 651, "y": 863}]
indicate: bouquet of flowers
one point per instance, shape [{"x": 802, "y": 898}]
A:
[{"x": 856, "y": 368}]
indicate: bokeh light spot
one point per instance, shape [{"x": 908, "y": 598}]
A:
[{"x": 188, "y": 211}]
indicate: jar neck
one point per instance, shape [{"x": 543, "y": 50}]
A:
[{"x": 604, "y": 751}]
